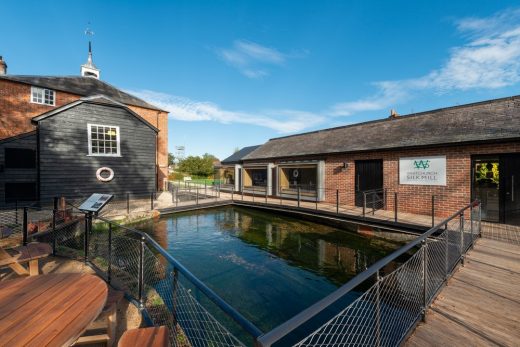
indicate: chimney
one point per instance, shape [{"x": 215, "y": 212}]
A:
[
  {"x": 393, "y": 114},
  {"x": 3, "y": 66}
]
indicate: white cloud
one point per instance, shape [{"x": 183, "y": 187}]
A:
[
  {"x": 253, "y": 59},
  {"x": 491, "y": 59},
  {"x": 180, "y": 108}
]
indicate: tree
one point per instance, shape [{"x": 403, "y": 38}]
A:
[
  {"x": 197, "y": 166},
  {"x": 237, "y": 149},
  {"x": 171, "y": 159}
]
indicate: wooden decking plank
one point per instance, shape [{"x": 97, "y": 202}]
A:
[
  {"x": 492, "y": 279},
  {"x": 481, "y": 299},
  {"x": 500, "y": 245},
  {"x": 426, "y": 335}
]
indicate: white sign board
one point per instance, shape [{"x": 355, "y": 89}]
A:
[{"x": 426, "y": 171}]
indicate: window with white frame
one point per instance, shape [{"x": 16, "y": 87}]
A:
[
  {"x": 103, "y": 140},
  {"x": 43, "y": 96}
]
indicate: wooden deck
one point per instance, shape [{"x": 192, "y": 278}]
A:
[{"x": 480, "y": 306}]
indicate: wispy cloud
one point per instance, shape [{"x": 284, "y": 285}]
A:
[
  {"x": 252, "y": 59},
  {"x": 490, "y": 59},
  {"x": 180, "y": 108}
]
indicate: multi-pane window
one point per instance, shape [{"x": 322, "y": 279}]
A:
[
  {"x": 103, "y": 140},
  {"x": 43, "y": 96}
]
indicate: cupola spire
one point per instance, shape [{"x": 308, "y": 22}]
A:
[{"x": 89, "y": 69}]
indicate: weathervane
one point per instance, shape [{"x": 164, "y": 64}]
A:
[{"x": 89, "y": 32}]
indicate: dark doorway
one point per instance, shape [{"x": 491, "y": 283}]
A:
[
  {"x": 369, "y": 176},
  {"x": 496, "y": 183}
]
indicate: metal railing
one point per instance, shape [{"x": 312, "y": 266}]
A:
[
  {"x": 166, "y": 292},
  {"x": 193, "y": 194},
  {"x": 388, "y": 311},
  {"x": 373, "y": 200}
]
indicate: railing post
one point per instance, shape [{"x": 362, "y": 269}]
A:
[
  {"x": 378, "y": 310},
  {"x": 337, "y": 201},
  {"x": 479, "y": 219},
  {"x": 197, "y": 196},
  {"x": 16, "y": 212},
  {"x": 174, "y": 294},
  {"x": 316, "y": 200},
  {"x": 446, "y": 255},
  {"x": 88, "y": 227},
  {"x": 109, "y": 271},
  {"x": 433, "y": 211},
  {"x": 205, "y": 189},
  {"x": 232, "y": 193},
  {"x": 253, "y": 193},
  {"x": 299, "y": 196},
  {"x": 373, "y": 203},
  {"x": 140, "y": 280},
  {"x": 364, "y": 203},
  {"x": 462, "y": 238},
  {"x": 425, "y": 278},
  {"x": 25, "y": 226},
  {"x": 395, "y": 207},
  {"x": 177, "y": 196},
  {"x": 384, "y": 199},
  {"x": 54, "y": 212},
  {"x": 266, "y": 190},
  {"x": 151, "y": 201},
  {"x": 127, "y": 203},
  {"x": 471, "y": 216}
]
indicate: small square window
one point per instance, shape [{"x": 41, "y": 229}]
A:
[{"x": 103, "y": 140}]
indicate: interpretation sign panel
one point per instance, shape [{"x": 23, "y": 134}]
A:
[{"x": 426, "y": 171}]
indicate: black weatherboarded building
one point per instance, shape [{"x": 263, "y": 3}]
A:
[{"x": 94, "y": 144}]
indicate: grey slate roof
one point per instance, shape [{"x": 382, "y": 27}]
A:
[
  {"x": 83, "y": 86},
  {"x": 237, "y": 157},
  {"x": 494, "y": 120}
]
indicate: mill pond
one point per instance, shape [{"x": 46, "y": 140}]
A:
[{"x": 267, "y": 266}]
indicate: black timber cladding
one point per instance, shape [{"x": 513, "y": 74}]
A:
[
  {"x": 237, "y": 157},
  {"x": 83, "y": 86},
  {"x": 494, "y": 120},
  {"x": 66, "y": 169}
]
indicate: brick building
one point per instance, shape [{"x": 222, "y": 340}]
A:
[
  {"x": 454, "y": 154},
  {"x": 22, "y": 98}
]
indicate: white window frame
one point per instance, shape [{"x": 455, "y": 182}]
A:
[
  {"x": 118, "y": 141},
  {"x": 42, "y": 90}
]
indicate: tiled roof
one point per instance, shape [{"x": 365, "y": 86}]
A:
[
  {"x": 494, "y": 120},
  {"x": 237, "y": 157},
  {"x": 83, "y": 86}
]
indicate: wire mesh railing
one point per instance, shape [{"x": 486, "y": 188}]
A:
[
  {"x": 165, "y": 291},
  {"x": 387, "y": 312}
]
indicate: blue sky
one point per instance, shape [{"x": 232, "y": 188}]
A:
[{"x": 236, "y": 73}]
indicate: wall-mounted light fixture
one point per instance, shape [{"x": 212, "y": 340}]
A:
[{"x": 344, "y": 167}]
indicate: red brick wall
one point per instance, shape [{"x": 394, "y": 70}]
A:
[
  {"x": 16, "y": 108},
  {"x": 159, "y": 120},
  {"x": 16, "y": 112},
  {"x": 414, "y": 198}
]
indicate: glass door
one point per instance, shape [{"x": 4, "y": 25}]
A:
[{"x": 486, "y": 187}]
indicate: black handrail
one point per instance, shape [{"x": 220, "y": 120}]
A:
[
  {"x": 285, "y": 328},
  {"x": 223, "y": 305}
]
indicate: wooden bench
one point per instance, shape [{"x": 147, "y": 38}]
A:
[
  {"x": 106, "y": 321},
  {"x": 31, "y": 253},
  {"x": 149, "y": 337}
]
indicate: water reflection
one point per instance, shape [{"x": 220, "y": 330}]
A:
[{"x": 268, "y": 266}]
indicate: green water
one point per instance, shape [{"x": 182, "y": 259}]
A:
[{"x": 267, "y": 266}]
